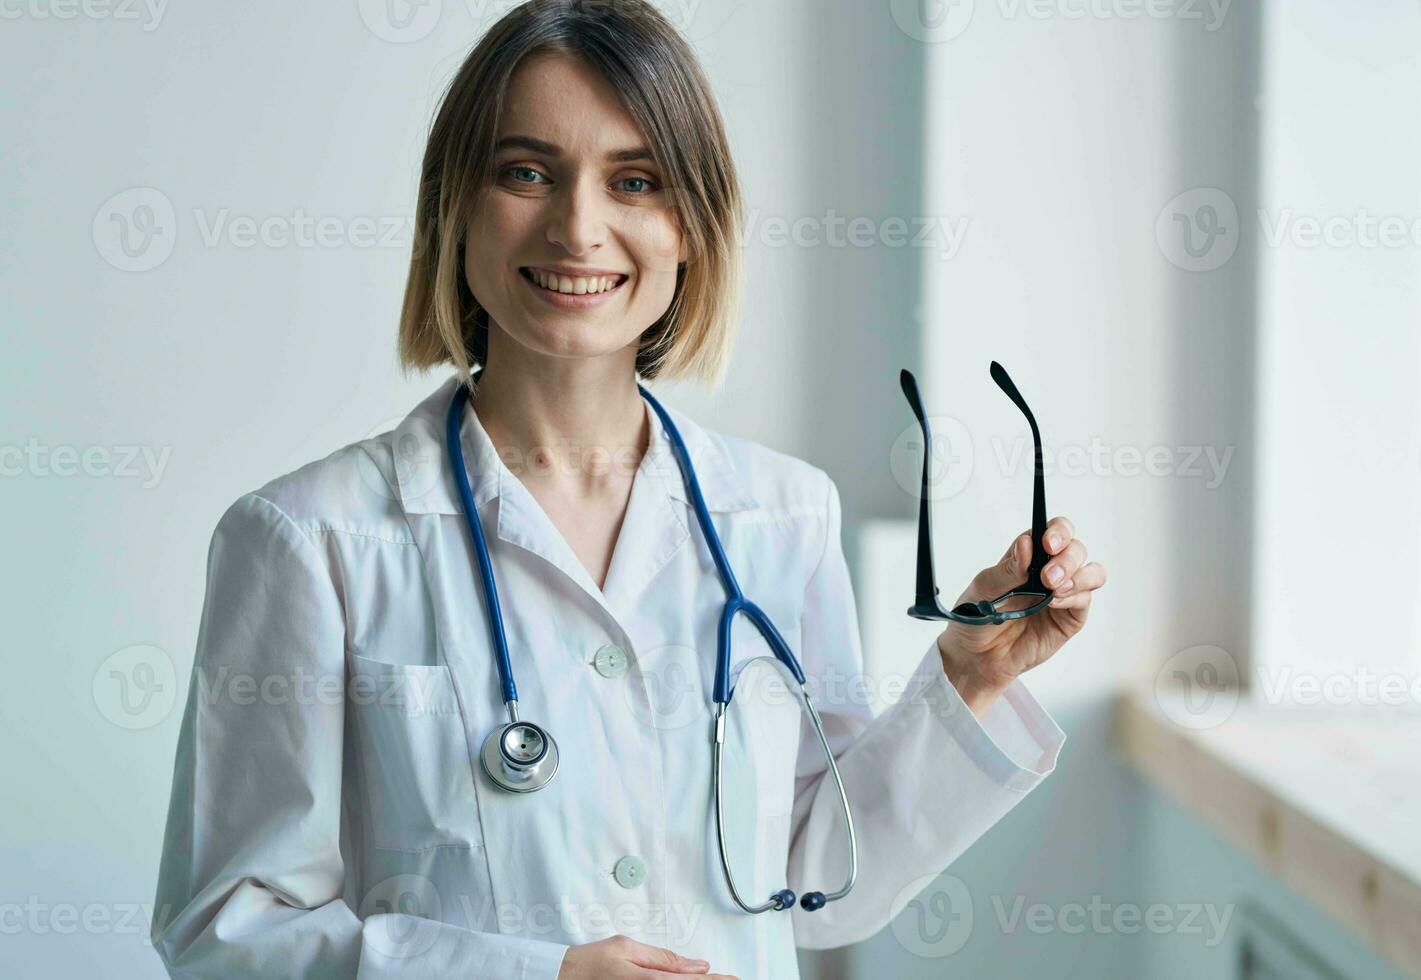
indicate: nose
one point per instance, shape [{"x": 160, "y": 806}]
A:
[{"x": 577, "y": 219}]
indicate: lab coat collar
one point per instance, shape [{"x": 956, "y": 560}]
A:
[{"x": 426, "y": 480}]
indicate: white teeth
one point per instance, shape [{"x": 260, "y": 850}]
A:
[{"x": 571, "y": 285}]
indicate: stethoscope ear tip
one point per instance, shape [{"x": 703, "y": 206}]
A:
[{"x": 811, "y": 902}]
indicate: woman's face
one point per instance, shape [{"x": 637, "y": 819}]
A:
[{"x": 574, "y": 191}]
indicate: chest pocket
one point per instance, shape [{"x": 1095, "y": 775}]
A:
[{"x": 417, "y": 777}]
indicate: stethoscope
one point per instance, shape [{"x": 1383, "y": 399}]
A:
[{"x": 521, "y": 756}]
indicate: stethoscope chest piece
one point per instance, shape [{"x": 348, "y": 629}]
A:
[{"x": 520, "y": 756}]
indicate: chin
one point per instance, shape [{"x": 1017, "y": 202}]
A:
[{"x": 567, "y": 338}]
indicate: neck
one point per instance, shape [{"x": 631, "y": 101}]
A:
[{"x": 575, "y": 424}]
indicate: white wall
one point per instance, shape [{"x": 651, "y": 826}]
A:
[{"x": 1339, "y": 240}]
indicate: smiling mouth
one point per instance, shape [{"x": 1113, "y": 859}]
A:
[{"x": 572, "y": 285}]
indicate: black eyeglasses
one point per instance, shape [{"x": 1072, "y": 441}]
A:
[{"x": 1030, "y": 597}]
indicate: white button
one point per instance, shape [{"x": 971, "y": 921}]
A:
[
  {"x": 611, "y": 661},
  {"x": 630, "y": 871}
]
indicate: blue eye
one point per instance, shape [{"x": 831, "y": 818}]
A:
[
  {"x": 526, "y": 170},
  {"x": 650, "y": 185}
]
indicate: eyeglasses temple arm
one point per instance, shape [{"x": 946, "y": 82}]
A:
[
  {"x": 1038, "y": 494},
  {"x": 925, "y": 605}
]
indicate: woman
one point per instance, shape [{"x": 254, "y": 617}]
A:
[{"x": 578, "y": 226}]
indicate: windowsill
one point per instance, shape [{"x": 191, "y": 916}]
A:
[{"x": 1329, "y": 800}]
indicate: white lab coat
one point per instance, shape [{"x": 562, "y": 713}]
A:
[{"x": 329, "y": 817}]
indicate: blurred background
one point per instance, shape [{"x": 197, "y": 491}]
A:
[{"x": 1191, "y": 229}]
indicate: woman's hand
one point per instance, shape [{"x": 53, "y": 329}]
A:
[
  {"x": 981, "y": 661},
  {"x": 623, "y": 958}
]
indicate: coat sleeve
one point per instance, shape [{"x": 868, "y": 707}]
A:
[
  {"x": 252, "y": 881},
  {"x": 924, "y": 779}
]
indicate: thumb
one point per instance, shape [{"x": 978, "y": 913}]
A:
[{"x": 1007, "y": 573}]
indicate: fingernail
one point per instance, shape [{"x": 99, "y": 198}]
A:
[
  {"x": 1053, "y": 575},
  {"x": 1054, "y": 540},
  {"x": 1065, "y": 586}
]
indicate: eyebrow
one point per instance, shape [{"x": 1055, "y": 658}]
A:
[{"x": 628, "y": 155}]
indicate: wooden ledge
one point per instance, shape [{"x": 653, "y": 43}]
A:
[{"x": 1329, "y": 800}]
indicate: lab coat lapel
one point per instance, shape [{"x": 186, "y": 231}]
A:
[{"x": 653, "y": 530}]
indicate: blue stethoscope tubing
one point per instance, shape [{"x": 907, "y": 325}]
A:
[{"x": 521, "y": 756}]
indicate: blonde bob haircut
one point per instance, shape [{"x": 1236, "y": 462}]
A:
[{"x": 664, "y": 90}]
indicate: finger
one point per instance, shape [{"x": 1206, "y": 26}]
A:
[
  {"x": 1060, "y": 569},
  {"x": 661, "y": 959},
  {"x": 1059, "y": 533},
  {"x": 1078, "y": 602},
  {"x": 1087, "y": 578},
  {"x": 650, "y": 974},
  {"x": 1008, "y": 572},
  {"x": 680, "y": 966}
]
